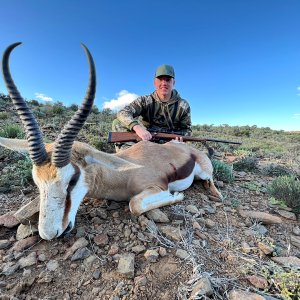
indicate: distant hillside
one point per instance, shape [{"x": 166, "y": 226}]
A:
[{"x": 255, "y": 141}]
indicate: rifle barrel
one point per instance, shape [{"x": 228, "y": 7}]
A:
[{"x": 119, "y": 137}]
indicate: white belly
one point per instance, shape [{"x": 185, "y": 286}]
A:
[{"x": 183, "y": 184}]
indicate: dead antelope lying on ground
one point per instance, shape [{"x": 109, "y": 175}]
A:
[{"x": 149, "y": 175}]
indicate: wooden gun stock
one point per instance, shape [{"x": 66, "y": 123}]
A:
[{"x": 122, "y": 137}]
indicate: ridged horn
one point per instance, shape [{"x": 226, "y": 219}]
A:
[
  {"x": 37, "y": 151},
  {"x": 63, "y": 145}
]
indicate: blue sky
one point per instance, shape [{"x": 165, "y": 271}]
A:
[{"x": 237, "y": 62}]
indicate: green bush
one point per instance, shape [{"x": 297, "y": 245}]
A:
[
  {"x": 12, "y": 131},
  {"x": 276, "y": 170},
  {"x": 101, "y": 144},
  {"x": 3, "y": 115},
  {"x": 222, "y": 171},
  {"x": 16, "y": 174},
  {"x": 248, "y": 163},
  {"x": 287, "y": 190}
]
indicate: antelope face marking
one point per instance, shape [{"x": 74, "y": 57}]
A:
[{"x": 61, "y": 192}]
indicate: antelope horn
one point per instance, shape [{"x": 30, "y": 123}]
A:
[
  {"x": 62, "y": 150},
  {"x": 34, "y": 135}
]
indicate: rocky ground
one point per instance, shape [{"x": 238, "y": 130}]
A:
[{"x": 241, "y": 248}]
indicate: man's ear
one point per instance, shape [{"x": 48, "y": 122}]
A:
[{"x": 173, "y": 81}]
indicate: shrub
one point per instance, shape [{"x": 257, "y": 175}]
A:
[
  {"x": 17, "y": 174},
  {"x": 3, "y": 115},
  {"x": 248, "y": 163},
  {"x": 286, "y": 189},
  {"x": 276, "y": 170},
  {"x": 101, "y": 144},
  {"x": 222, "y": 171},
  {"x": 12, "y": 131}
]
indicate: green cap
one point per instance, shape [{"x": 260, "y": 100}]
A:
[{"x": 165, "y": 70}]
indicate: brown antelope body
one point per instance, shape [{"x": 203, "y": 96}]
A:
[{"x": 148, "y": 175}]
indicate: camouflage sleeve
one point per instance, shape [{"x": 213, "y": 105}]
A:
[
  {"x": 185, "y": 118},
  {"x": 128, "y": 115}
]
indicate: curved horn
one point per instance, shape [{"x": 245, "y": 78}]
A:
[
  {"x": 62, "y": 150},
  {"x": 34, "y": 135}
]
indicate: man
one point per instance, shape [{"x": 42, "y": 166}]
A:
[{"x": 163, "y": 110}]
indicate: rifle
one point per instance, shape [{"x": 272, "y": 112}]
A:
[{"x": 122, "y": 137}]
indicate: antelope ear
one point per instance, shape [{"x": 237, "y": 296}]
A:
[{"x": 15, "y": 144}]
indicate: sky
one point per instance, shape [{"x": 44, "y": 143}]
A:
[{"x": 237, "y": 62}]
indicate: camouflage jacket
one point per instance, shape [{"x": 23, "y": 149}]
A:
[{"x": 174, "y": 115}]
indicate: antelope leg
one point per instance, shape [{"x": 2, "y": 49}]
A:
[{"x": 152, "y": 198}]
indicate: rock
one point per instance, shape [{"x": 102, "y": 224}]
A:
[
  {"x": 266, "y": 249},
  {"x": 126, "y": 265},
  {"x": 89, "y": 261},
  {"x": 101, "y": 239},
  {"x": 239, "y": 295},
  {"x": 173, "y": 233},
  {"x": 28, "y": 261},
  {"x": 114, "y": 249},
  {"x": 42, "y": 257},
  {"x": 52, "y": 265},
  {"x": 80, "y": 243},
  {"x": 210, "y": 209},
  {"x": 96, "y": 274},
  {"x": 192, "y": 209},
  {"x": 259, "y": 229},
  {"x": 138, "y": 249},
  {"x": 45, "y": 278},
  {"x": 5, "y": 244},
  {"x": 151, "y": 255},
  {"x": 296, "y": 230},
  {"x": 9, "y": 220},
  {"x": 9, "y": 268},
  {"x": 80, "y": 232},
  {"x": 287, "y": 214},
  {"x": 81, "y": 253},
  {"x": 25, "y": 243},
  {"x": 157, "y": 216},
  {"x": 140, "y": 280},
  {"x": 29, "y": 213},
  {"x": 295, "y": 240},
  {"x": 219, "y": 183},
  {"x": 100, "y": 212},
  {"x": 258, "y": 281},
  {"x": 127, "y": 232},
  {"x": 202, "y": 287},
  {"x": 209, "y": 223},
  {"x": 245, "y": 247},
  {"x": 182, "y": 254},
  {"x": 162, "y": 251},
  {"x": 25, "y": 231},
  {"x": 263, "y": 217},
  {"x": 287, "y": 261},
  {"x": 196, "y": 226}
]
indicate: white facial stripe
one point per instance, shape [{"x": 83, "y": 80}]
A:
[{"x": 76, "y": 197}]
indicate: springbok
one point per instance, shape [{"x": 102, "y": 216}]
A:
[{"x": 148, "y": 175}]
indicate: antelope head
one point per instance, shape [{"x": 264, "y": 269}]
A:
[{"x": 60, "y": 182}]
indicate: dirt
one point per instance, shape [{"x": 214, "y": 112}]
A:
[{"x": 214, "y": 249}]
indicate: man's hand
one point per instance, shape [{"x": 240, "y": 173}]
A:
[
  {"x": 144, "y": 134},
  {"x": 179, "y": 139}
]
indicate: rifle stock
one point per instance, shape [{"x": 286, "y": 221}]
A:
[{"x": 122, "y": 137}]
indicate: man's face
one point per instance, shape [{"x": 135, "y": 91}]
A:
[{"x": 164, "y": 86}]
